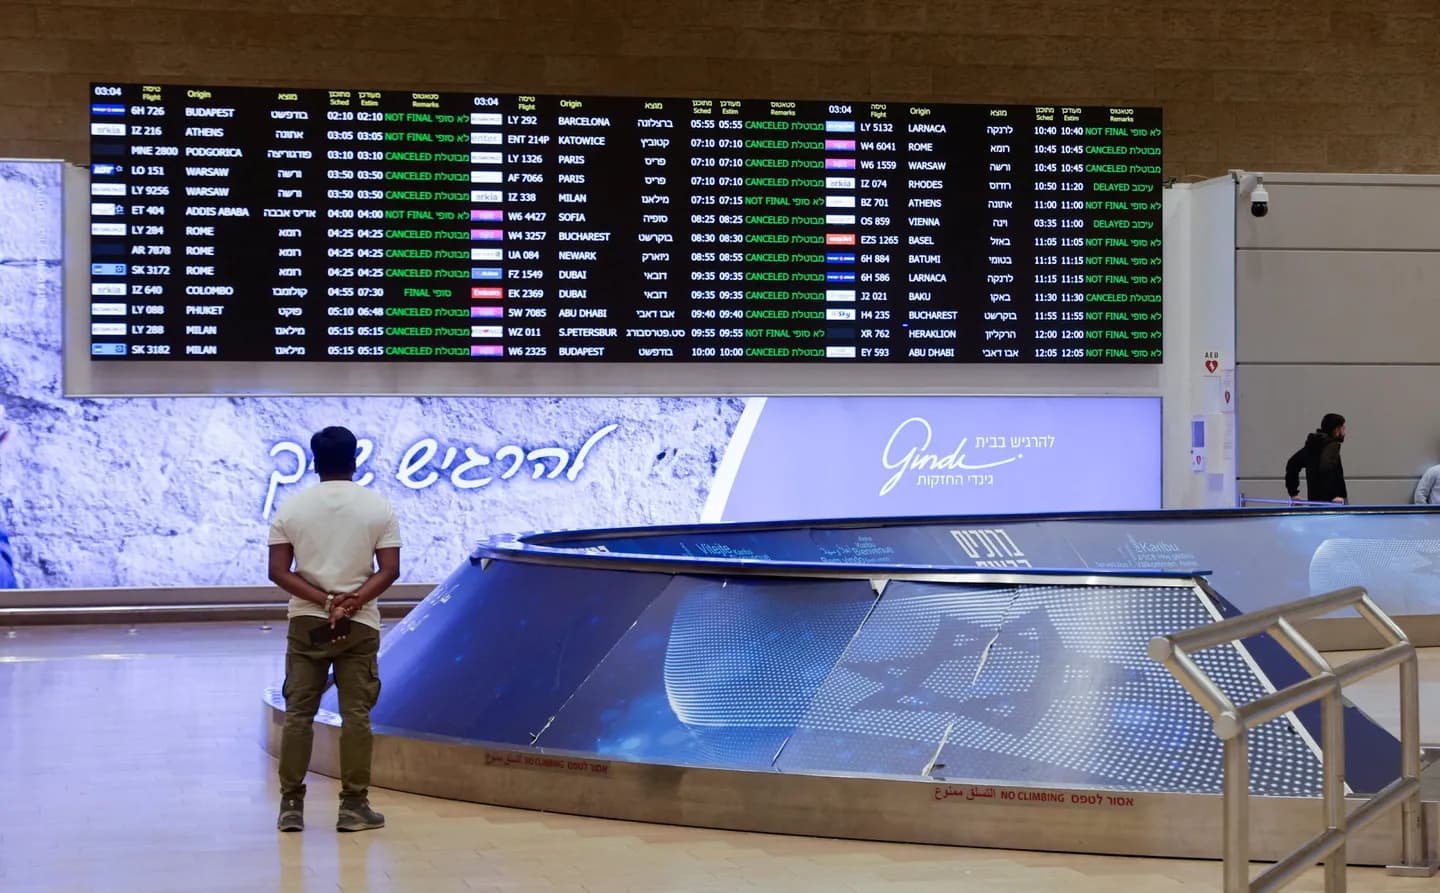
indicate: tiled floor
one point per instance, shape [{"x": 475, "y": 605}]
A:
[{"x": 132, "y": 762}]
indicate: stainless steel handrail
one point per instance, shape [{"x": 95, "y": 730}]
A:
[
  {"x": 1234, "y": 722},
  {"x": 1256, "y": 500}
]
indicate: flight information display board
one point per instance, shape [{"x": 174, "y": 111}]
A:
[{"x": 261, "y": 224}]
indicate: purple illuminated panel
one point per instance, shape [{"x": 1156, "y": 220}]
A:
[{"x": 838, "y": 457}]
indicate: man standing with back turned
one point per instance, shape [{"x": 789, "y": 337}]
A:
[
  {"x": 1320, "y": 457},
  {"x": 344, "y": 543}
]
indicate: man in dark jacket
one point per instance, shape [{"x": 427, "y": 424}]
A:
[{"x": 1320, "y": 457}]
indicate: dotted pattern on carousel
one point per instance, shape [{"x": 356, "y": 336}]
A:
[{"x": 1036, "y": 684}]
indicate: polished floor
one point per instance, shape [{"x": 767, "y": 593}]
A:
[{"x": 129, "y": 760}]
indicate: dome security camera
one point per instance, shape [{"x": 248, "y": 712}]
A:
[
  {"x": 1259, "y": 202},
  {"x": 1252, "y": 185}
]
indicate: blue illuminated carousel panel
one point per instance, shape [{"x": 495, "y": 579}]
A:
[
  {"x": 906, "y": 678},
  {"x": 715, "y": 672},
  {"x": 1372, "y": 754},
  {"x": 1043, "y": 684},
  {"x": 1069, "y": 695},
  {"x": 491, "y": 654}
]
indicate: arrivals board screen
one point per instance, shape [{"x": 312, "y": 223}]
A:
[{"x": 263, "y": 224}]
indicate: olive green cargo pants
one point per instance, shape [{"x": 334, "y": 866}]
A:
[{"x": 357, "y": 677}]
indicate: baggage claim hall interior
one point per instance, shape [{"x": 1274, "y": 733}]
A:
[{"x": 770, "y": 444}]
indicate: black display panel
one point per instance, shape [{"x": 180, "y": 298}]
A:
[{"x": 258, "y": 224}]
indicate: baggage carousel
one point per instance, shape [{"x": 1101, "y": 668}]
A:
[{"x": 967, "y": 681}]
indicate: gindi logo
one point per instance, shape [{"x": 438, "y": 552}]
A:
[{"x": 907, "y": 451}]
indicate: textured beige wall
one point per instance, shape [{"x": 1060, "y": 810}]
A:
[{"x": 1260, "y": 84}]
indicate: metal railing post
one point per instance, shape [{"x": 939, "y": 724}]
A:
[
  {"x": 1332, "y": 755},
  {"x": 1237, "y": 814},
  {"x": 1412, "y": 843}
]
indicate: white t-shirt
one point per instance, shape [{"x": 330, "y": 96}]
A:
[{"x": 335, "y": 528}]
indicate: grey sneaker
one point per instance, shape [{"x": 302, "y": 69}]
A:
[
  {"x": 292, "y": 814},
  {"x": 356, "y": 815}
]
